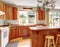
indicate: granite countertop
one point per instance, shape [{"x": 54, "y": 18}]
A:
[
  {"x": 43, "y": 28},
  {"x": 4, "y": 25}
]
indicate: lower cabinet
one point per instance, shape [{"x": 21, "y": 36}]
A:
[
  {"x": 18, "y": 31},
  {"x": 13, "y": 33},
  {"x": 24, "y": 31}
]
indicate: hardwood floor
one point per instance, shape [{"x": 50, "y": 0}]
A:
[{"x": 20, "y": 43}]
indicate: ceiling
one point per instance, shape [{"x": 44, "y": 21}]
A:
[{"x": 32, "y": 3}]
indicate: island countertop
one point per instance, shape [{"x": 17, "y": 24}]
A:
[{"x": 43, "y": 28}]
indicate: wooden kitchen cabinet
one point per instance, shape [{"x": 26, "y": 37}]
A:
[
  {"x": 41, "y": 14},
  {"x": 10, "y": 16},
  {"x": 38, "y": 36},
  {"x": 10, "y": 12},
  {"x": 13, "y": 33},
  {"x": 15, "y": 13},
  {"x": 7, "y": 12},
  {"x": 24, "y": 31},
  {"x": 18, "y": 31},
  {"x": 1, "y": 6}
]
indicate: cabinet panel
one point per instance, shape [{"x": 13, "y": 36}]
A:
[
  {"x": 13, "y": 33},
  {"x": 18, "y": 31},
  {"x": 1, "y": 6},
  {"x": 10, "y": 13},
  {"x": 25, "y": 31},
  {"x": 41, "y": 14},
  {"x": 6, "y": 12},
  {"x": 14, "y": 13}
]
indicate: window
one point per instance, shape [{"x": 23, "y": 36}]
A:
[
  {"x": 27, "y": 17},
  {"x": 54, "y": 18}
]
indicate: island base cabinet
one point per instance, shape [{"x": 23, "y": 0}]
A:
[{"x": 38, "y": 36}]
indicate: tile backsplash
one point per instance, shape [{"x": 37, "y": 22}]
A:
[
  {"x": 40, "y": 21},
  {"x": 2, "y": 22},
  {"x": 11, "y": 22}
]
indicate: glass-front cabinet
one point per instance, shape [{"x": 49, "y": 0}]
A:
[
  {"x": 54, "y": 18},
  {"x": 27, "y": 17}
]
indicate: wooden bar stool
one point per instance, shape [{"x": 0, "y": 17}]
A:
[
  {"x": 58, "y": 40},
  {"x": 49, "y": 41}
]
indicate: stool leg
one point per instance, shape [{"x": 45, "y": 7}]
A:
[
  {"x": 45, "y": 43},
  {"x": 54, "y": 44},
  {"x": 48, "y": 42},
  {"x": 56, "y": 41}
]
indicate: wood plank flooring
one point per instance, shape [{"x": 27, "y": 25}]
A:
[{"x": 20, "y": 43}]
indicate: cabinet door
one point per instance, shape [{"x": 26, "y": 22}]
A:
[
  {"x": 25, "y": 31},
  {"x": 10, "y": 13},
  {"x": 7, "y": 12},
  {"x": 13, "y": 33},
  {"x": 1, "y": 6},
  {"x": 1, "y": 9},
  {"x": 14, "y": 13},
  {"x": 41, "y": 14},
  {"x": 20, "y": 31}
]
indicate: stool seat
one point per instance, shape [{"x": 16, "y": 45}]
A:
[
  {"x": 49, "y": 37},
  {"x": 58, "y": 35}
]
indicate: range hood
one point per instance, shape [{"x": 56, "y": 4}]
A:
[{"x": 2, "y": 13}]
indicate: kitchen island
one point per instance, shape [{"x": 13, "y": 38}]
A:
[{"x": 38, "y": 35}]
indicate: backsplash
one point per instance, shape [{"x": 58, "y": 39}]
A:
[
  {"x": 40, "y": 22},
  {"x": 11, "y": 22},
  {"x": 2, "y": 22}
]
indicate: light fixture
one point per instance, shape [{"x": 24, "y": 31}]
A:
[
  {"x": 2, "y": 13},
  {"x": 46, "y": 3}
]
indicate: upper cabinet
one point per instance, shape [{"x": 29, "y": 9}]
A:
[
  {"x": 11, "y": 12},
  {"x": 41, "y": 14},
  {"x": 2, "y": 9},
  {"x": 1, "y": 6},
  {"x": 6, "y": 11},
  {"x": 14, "y": 13},
  {"x": 10, "y": 15}
]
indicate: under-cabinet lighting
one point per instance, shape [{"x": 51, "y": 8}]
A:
[{"x": 2, "y": 13}]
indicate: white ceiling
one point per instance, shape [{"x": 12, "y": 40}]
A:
[{"x": 29, "y": 3}]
